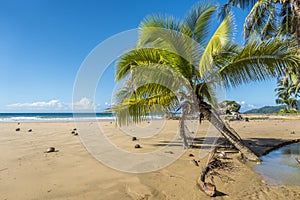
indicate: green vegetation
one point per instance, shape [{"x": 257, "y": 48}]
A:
[
  {"x": 284, "y": 111},
  {"x": 286, "y": 95},
  {"x": 232, "y": 106}
]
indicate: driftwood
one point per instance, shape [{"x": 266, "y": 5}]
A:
[
  {"x": 213, "y": 164},
  {"x": 206, "y": 187}
]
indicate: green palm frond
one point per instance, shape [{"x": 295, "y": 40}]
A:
[
  {"x": 135, "y": 58},
  {"x": 157, "y": 59},
  {"x": 243, "y": 4},
  {"x": 148, "y": 98},
  {"x": 289, "y": 20},
  {"x": 262, "y": 20},
  {"x": 199, "y": 19},
  {"x": 225, "y": 9},
  {"x": 219, "y": 39},
  {"x": 258, "y": 61},
  {"x": 176, "y": 41}
]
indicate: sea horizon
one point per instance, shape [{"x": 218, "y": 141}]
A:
[
  {"x": 54, "y": 116},
  {"x": 59, "y": 116}
]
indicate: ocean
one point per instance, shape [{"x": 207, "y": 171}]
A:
[{"x": 54, "y": 117}]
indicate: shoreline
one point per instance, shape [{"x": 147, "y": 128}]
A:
[{"x": 278, "y": 146}]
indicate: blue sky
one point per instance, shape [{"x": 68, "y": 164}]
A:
[{"x": 44, "y": 42}]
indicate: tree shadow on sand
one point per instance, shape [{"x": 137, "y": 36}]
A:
[
  {"x": 260, "y": 146},
  {"x": 220, "y": 194}
]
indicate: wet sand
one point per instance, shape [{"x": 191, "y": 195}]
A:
[{"x": 26, "y": 172}]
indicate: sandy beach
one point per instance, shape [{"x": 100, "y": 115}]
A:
[{"x": 27, "y": 173}]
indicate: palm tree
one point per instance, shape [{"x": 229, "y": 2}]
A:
[
  {"x": 271, "y": 18},
  {"x": 177, "y": 65},
  {"x": 286, "y": 94}
]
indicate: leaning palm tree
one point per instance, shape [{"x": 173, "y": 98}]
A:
[{"x": 178, "y": 64}]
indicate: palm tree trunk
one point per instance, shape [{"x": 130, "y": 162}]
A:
[
  {"x": 213, "y": 117},
  {"x": 296, "y": 4},
  {"x": 182, "y": 126}
]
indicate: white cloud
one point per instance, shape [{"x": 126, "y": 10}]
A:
[
  {"x": 39, "y": 105},
  {"x": 84, "y": 104},
  {"x": 245, "y": 106}
]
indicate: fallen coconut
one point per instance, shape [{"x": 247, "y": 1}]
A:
[{"x": 50, "y": 149}]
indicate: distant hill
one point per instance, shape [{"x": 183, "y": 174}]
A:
[{"x": 265, "y": 110}]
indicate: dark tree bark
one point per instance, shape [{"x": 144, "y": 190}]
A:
[{"x": 213, "y": 117}]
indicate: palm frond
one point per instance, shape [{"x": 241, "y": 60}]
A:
[
  {"x": 258, "y": 61},
  {"x": 261, "y": 20},
  {"x": 199, "y": 19},
  {"x": 289, "y": 20},
  {"x": 219, "y": 39},
  {"x": 243, "y": 4},
  {"x": 146, "y": 100},
  {"x": 176, "y": 41}
]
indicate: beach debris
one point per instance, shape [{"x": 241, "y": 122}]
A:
[
  {"x": 191, "y": 155},
  {"x": 18, "y": 129},
  {"x": 293, "y": 132},
  {"x": 195, "y": 163},
  {"x": 246, "y": 119},
  {"x": 222, "y": 154},
  {"x": 74, "y": 132},
  {"x": 29, "y": 130},
  {"x": 213, "y": 168},
  {"x": 208, "y": 188},
  {"x": 50, "y": 150},
  {"x": 134, "y": 138},
  {"x": 18, "y": 123},
  {"x": 170, "y": 152},
  {"x": 137, "y": 146},
  {"x": 298, "y": 160}
]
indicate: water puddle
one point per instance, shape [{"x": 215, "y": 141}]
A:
[{"x": 280, "y": 166}]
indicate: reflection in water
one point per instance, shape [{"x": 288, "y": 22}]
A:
[{"x": 280, "y": 166}]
